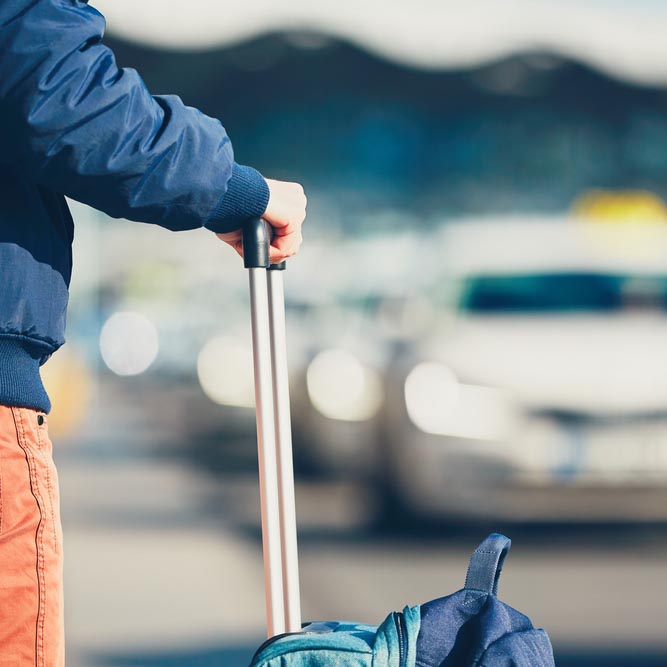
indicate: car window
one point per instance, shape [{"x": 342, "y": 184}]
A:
[{"x": 562, "y": 292}]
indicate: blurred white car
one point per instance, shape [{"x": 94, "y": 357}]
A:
[{"x": 541, "y": 392}]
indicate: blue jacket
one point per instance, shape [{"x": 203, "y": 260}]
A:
[{"x": 72, "y": 123}]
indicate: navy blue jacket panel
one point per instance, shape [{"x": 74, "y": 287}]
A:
[{"x": 72, "y": 123}]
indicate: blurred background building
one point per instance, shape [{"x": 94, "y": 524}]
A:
[{"x": 477, "y": 329}]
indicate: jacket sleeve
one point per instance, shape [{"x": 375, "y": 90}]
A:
[{"x": 73, "y": 121}]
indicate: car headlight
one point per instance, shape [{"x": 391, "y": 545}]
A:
[
  {"x": 438, "y": 403},
  {"x": 342, "y": 387}
]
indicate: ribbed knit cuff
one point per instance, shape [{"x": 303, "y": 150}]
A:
[
  {"x": 20, "y": 383},
  {"x": 247, "y": 196}
]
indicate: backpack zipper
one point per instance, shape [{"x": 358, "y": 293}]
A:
[
  {"x": 399, "y": 621},
  {"x": 304, "y": 631},
  {"x": 269, "y": 641}
]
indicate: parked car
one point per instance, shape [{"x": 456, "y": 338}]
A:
[{"x": 541, "y": 392}]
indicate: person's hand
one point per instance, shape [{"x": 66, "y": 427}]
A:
[{"x": 285, "y": 212}]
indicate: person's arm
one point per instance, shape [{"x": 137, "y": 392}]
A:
[{"x": 76, "y": 123}]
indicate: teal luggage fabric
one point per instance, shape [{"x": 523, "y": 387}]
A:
[
  {"x": 393, "y": 643},
  {"x": 470, "y": 628}
]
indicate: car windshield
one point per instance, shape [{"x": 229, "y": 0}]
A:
[{"x": 561, "y": 292}]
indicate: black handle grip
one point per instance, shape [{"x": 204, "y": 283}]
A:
[
  {"x": 256, "y": 241},
  {"x": 257, "y": 235}
]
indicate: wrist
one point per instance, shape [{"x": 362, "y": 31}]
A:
[{"x": 247, "y": 196}]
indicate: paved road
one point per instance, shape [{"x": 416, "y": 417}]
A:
[{"x": 163, "y": 561}]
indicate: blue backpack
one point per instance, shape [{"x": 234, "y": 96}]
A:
[{"x": 470, "y": 628}]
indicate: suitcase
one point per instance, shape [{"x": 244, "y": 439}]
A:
[{"x": 470, "y": 628}]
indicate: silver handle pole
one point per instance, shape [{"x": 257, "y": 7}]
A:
[
  {"x": 283, "y": 431},
  {"x": 266, "y": 448}
]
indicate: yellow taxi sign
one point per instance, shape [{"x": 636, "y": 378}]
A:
[{"x": 620, "y": 206}]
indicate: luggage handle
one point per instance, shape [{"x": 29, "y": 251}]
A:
[
  {"x": 274, "y": 437},
  {"x": 257, "y": 236}
]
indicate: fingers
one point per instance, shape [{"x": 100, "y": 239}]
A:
[
  {"x": 285, "y": 212},
  {"x": 284, "y": 246},
  {"x": 287, "y": 204},
  {"x": 286, "y": 217},
  {"x": 233, "y": 239},
  {"x": 238, "y": 247}
]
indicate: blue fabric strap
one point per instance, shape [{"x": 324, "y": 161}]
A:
[{"x": 486, "y": 563}]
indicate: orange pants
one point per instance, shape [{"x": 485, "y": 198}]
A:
[{"x": 31, "y": 600}]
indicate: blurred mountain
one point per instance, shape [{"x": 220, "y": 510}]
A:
[
  {"x": 623, "y": 38},
  {"x": 526, "y": 133}
]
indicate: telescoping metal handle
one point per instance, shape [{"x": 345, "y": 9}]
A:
[{"x": 274, "y": 432}]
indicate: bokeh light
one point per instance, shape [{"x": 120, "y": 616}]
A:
[
  {"x": 224, "y": 369},
  {"x": 342, "y": 387},
  {"x": 128, "y": 343}
]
